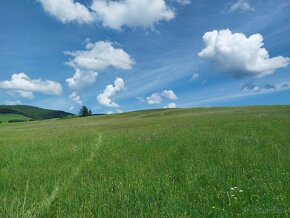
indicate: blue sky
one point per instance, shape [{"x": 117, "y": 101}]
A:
[{"x": 142, "y": 54}]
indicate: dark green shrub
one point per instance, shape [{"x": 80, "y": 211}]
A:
[{"x": 16, "y": 121}]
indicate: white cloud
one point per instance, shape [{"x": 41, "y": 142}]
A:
[
  {"x": 105, "y": 98},
  {"x": 183, "y": 2},
  {"x": 112, "y": 112},
  {"x": 171, "y": 105},
  {"x": 68, "y": 11},
  {"x": 157, "y": 97},
  {"x": 241, "y": 5},
  {"x": 81, "y": 79},
  {"x": 21, "y": 93},
  {"x": 169, "y": 94},
  {"x": 131, "y": 13},
  {"x": 240, "y": 56},
  {"x": 99, "y": 56},
  {"x": 112, "y": 14},
  {"x": 87, "y": 63},
  {"x": 21, "y": 85},
  {"x": 96, "y": 57},
  {"x": 76, "y": 98}
]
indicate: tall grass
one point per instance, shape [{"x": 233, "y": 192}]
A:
[{"x": 223, "y": 162}]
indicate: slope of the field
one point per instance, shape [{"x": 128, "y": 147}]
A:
[
  {"x": 32, "y": 112},
  {"x": 4, "y": 118},
  {"x": 214, "y": 162}
]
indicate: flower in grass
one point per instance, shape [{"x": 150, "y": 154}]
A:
[{"x": 213, "y": 207}]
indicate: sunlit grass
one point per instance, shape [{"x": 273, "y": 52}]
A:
[
  {"x": 4, "y": 118},
  {"x": 177, "y": 163}
]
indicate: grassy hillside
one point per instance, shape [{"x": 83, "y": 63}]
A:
[
  {"x": 32, "y": 112},
  {"x": 214, "y": 162},
  {"x": 4, "y": 118}
]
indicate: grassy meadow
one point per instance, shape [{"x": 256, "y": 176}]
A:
[
  {"x": 4, "y": 118},
  {"x": 202, "y": 162}
]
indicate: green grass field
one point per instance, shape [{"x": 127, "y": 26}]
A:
[
  {"x": 210, "y": 162},
  {"x": 4, "y": 118}
]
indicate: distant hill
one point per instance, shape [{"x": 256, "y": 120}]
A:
[{"x": 32, "y": 112}]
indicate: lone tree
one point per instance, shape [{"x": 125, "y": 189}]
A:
[{"x": 84, "y": 112}]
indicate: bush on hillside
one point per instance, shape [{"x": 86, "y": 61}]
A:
[{"x": 16, "y": 121}]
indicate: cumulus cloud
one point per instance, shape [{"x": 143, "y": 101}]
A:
[
  {"x": 112, "y": 14},
  {"x": 94, "y": 58},
  {"x": 241, "y": 5},
  {"x": 99, "y": 56},
  {"x": 169, "y": 94},
  {"x": 21, "y": 93},
  {"x": 157, "y": 97},
  {"x": 76, "y": 98},
  {"x": 21, "y": 85},
  {"x": 105, "y": 98},
  {"x": 81, "y": 79},
  {"x": 131, "y": 13},
  {"x": 171, "y": 105},
  {"x": 68, "y": 11},
  {"x": 240, "y": 56}
]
